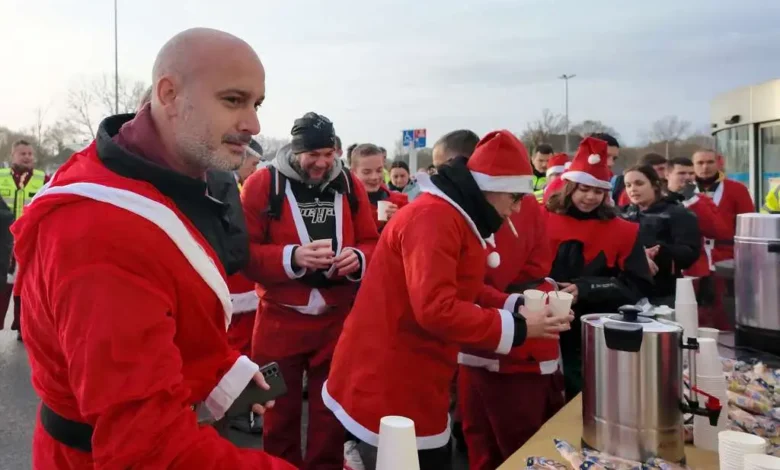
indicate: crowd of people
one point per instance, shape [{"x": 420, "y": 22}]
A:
[{"x": 159, "y": 269}]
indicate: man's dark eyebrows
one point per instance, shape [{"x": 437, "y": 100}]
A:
[{"x": 235, "y": 91}]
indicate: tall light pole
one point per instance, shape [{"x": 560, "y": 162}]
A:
[
  {"x": 566, "y": 78},
  {"x": 116, "y": 62}
]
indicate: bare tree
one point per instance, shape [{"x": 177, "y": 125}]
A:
[
  {"x": 668, "y": 130},
  {"x": 91, "y": 101},
  {"x": 540, "y": 130},
  {"x": 271, "y": 145},
  {"x": 588, "y": 127}
]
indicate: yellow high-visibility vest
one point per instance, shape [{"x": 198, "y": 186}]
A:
[{"x": 18, "y": 198}]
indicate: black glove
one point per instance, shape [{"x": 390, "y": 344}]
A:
[{"x": 521, "y": 330}]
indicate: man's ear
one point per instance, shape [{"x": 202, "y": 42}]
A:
[{"x": 166, "y": 92}]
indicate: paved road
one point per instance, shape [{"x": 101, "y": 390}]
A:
[{"x": 18, "y": 405}]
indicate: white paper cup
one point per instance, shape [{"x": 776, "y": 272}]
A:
[
  {"x": 684, "y": 293},
  {"x": 705, "y": 332},
  {"x": 381, "y": 210},
  {"x": 397, "y": 444},
  {"x": 761, "y": 462},
  {"x": 708, "y": 362},
  {"x": 560, "y": 303},
  {"x": 687, "y": 315},
  {"x": 534, "y": 300}
]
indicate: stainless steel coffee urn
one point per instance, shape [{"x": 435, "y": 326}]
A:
[
  {"x": 632, "y": 398},
  {"x": 757, "y": 281}
]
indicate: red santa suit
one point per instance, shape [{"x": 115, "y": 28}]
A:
[
  {"x": 424, "y": 298},
  {"x": 299, "y": 321},
  {"x": 127, "y": 307},
  {"x": 731, "y": 199},
  {"x": 495, "y": 424},
  {"x": 245, "y": 301}
]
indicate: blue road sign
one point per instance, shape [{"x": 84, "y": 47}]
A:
[{"x": 408, "y": 137}]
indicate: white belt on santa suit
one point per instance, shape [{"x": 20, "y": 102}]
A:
[
  {"x": 246, "y": 302},
  {"x": 10, "y": 278},
  {"x": 709, "y": 245}
]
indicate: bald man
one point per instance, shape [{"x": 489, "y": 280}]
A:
[{"x": 123, "y": 261}]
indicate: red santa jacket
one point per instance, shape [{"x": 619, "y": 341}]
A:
[
  {"x": 523, "y": 259},
  {"x": 399, "y": 199},
  {"x": 271, "y": 243},
  {"x": 126, "y": 308},
  {"x": 415, "y": 310},
  {"x": 731, "y": 198}
]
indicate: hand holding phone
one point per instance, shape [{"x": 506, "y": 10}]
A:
[{"x": 256, "y": 397}]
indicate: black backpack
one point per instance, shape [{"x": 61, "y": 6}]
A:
[{"x": 277, "y": 187}]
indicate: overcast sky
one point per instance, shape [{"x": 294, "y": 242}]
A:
[{"x": 377, "y": 66}]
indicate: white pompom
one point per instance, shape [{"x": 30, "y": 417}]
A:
[
  {"x": 493, "y": 259},
  {"x": 594, "y": 158}
]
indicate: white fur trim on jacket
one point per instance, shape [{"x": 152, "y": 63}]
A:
[
  {"x": 507, "y": 332},
  {"x": 230, "y": 387},
  {"x": 369, "y": 437},
  {"x": 245, "y": 302}
]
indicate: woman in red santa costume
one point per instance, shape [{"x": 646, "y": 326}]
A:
[
  {"x": 597, "y": 256},
  {"x": 556, "y": 166},
  {"x": 495, "y": 424},
  {"x": 424, "y": 298},
  {"x": 121, "y": 275}
]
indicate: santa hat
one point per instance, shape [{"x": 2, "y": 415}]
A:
[
  {"x": 558, "y": 164},
  {"x": 500, "y": 164},
  {"x": 589, "y": 166}
]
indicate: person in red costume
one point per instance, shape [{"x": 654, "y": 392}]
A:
[
  {"x": 424, "y": 298},
  {"x": 307, "y": 257},
  {"x": 731, "y": 198},
  {"x": 121, "y": 275},
  {"x": 495, "y": 425},
  {"x": 367, "y": 164},
  {"x": 598, "y": 256}
]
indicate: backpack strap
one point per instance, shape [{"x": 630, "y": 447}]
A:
[
  {"x": 276, "y": 193},
  {"x": 351, "y": 196}
]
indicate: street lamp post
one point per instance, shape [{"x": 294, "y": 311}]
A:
[
  {"x": 565, "y": 79},
  {"x": 116, "y": 61}
]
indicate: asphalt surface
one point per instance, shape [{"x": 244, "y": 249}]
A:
[{"x": 18, "y": 405}]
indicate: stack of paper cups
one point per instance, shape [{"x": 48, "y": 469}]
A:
[
  {"x": 686, "y": 309},
  {"x": 733, "y": 446},
  {"x": 761, "y": 462},
  {"x": 710, "y": 379},
  {"x": 397, "y": 444}
]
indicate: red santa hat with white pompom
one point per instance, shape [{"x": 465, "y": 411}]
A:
[
  {"x": 589, "y": 166},
  {"x": 500, "y": 164}
]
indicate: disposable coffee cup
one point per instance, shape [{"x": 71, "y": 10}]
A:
[
  {"x": 684, "y": 293},
  {"x": 560, "y": 303},
  {"x": 534, "y": 300},
  {"x": 381, "y": 209},
  {"x": 397, "y": 444},
  {"x": 708, "y": 362},
  {"x": 705, "y": 332}
]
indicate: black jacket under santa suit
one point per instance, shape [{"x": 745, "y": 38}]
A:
[{"x": 605, "y": 259}]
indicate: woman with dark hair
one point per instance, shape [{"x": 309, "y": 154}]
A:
[
  {"x": 668, "y": 231},
  {"x": 598, "y": 257},
  {"x": 400, "y": 178}
]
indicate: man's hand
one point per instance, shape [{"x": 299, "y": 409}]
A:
[
  {"x": 347, "y": 262},
  {"x": 391, "y": 209},
  {"x": 544, "y": 324},
  {"x": 259, "y": 408},
  {"x": 652, "y": 252},
  {"x": 315, "y": 255},
  {"x": 571, "y": 289},
  {"x": 653, "y": 266}
]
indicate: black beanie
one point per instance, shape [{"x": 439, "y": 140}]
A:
[{"x": 312, "y": 132}]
